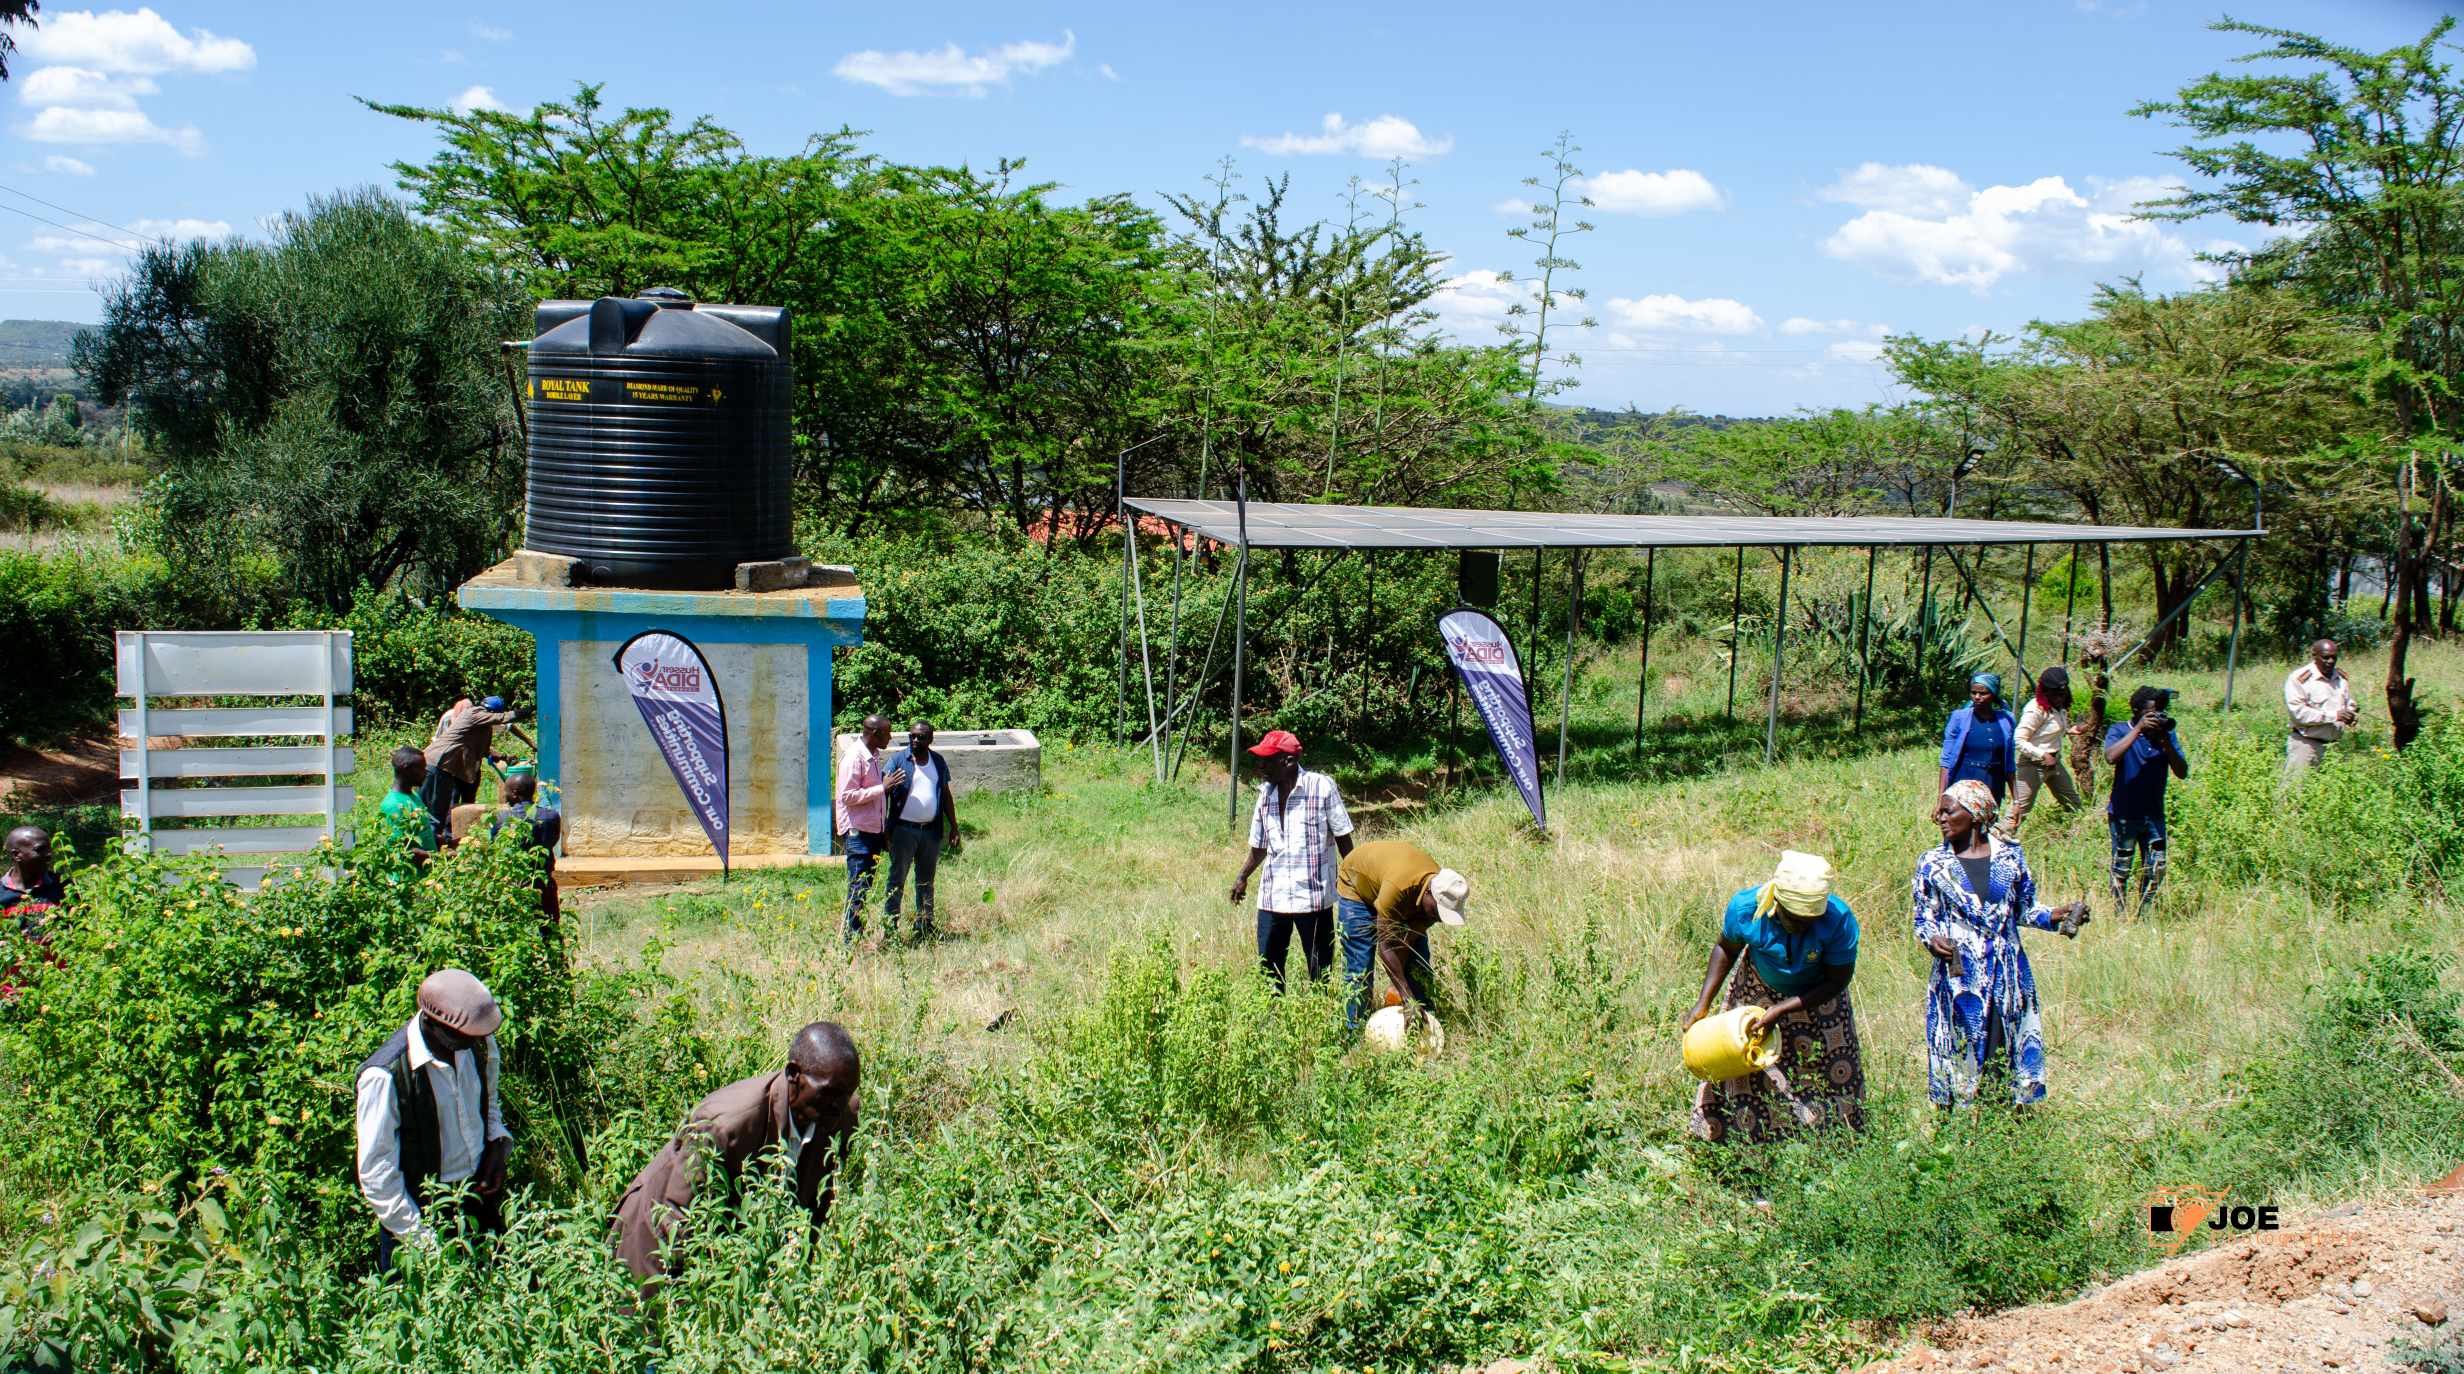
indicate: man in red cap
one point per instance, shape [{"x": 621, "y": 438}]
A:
[{"x": 1299, "y": 813}]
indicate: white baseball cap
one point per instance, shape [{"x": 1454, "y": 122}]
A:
[{"x": 1450, "y": 890}]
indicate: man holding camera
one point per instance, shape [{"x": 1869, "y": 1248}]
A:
[
  {"x": 2143, "y": 755},
  {"x": 2319, "y": 702}
]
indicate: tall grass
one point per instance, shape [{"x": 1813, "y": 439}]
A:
[{"x": 1154, "y": 1163}]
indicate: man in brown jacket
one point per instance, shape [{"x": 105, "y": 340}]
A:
[
  {"x": 805, "y": 1112},
  {"x": 465, "y": 738}
]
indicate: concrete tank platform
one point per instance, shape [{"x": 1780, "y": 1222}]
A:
[
  {"x": 980, "y": 760},
  {"x": 770, "y": 651}
]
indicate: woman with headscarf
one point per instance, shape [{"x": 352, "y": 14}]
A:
[
  {"x": 1800, "y": 946},
  {"x": 1973, "y": 892},
  {"x": 2038, "y": 742},
  {"x": 1976, "y": 741}
]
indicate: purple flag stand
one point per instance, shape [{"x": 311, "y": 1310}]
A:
[
  {"x": 1484, "y": 657},
  {"x": 678, "y": 697}
]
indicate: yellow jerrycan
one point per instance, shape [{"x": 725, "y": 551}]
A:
[{"x": 1718, "y": 1049}]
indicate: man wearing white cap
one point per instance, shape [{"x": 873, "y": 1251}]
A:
[
  {"x": 1387, "y": 895},
  {"x": 428, "y": 1115},
  {"x": 1798, "y": 943}
]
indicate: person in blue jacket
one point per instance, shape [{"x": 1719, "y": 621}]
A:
[{"x": 1978, "y": 743}]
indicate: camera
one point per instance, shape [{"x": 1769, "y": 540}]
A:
[{"x": 2164, "y": 706}]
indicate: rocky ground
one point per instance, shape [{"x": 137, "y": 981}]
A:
[{"x": 2332, "y": 1292}]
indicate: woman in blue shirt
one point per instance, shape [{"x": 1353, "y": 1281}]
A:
[
  {"x": 1800, "y": 948},
  {"x": 1978, "y": 742}
]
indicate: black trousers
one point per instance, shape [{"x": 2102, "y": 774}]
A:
[
  {"x": 1317, "y": 941},
  {"x": 483, "y": 1214}
]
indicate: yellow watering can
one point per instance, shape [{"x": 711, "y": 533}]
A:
[{"x": 1718, "y": 1049}]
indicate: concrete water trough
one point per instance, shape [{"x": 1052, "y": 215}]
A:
[{"x": 980, "y": 760}]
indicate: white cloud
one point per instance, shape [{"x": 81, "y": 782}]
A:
[
  {"x": 2001, "y": 230},
  {"x": 1513, "y": 206},
  {"x": 949, "y": 71},
  {"x": 139, "y": 43},
  {"x": 1386, "y": 136},
  {"x": 83, "y": 87},
  {"x": 1912, "y": 188},
  {"x": 88, "y": 267},
  {"x": 1107, "y": 72},
  {"x": 476, "y": 98},
  {"x": 1711, "y": 315},
  {"x": 1477, "y": 301},
  {"x": 1799, "y": 326},
  {"x": 67, "y": 166},
  {"x": 1854, "y": 351},
  {"x": 63, "y": 124},
  {"x": 178, "y": 230},
  {"x": 489, "y": 33},
  {"x": 1653, "y": 193},
  {"x": 450, "y": 56}
]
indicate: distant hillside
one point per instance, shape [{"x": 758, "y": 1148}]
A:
[{"x": 36, "y": 345}]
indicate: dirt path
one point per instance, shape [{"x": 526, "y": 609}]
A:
[
  {"x": 81, "y": 771},
  {"x": 2328, "y": 1293}
]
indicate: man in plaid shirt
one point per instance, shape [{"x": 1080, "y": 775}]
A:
[{"x": 1298, "y": 812}]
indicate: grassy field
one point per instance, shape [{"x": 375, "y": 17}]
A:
[{"x": 1095, "y": 1140}]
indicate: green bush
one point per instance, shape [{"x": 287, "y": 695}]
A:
[
  {"x": 57, "y": 614},
  {"x": 186, "y": 1028},
  {"x": 409, "y": 662}
]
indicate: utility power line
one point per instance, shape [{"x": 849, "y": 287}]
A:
[{"x": 90, "y": 219}]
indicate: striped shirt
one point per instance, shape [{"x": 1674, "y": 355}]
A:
[{"x": 1299, "y": 872}]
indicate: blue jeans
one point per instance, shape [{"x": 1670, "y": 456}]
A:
[
  {"x": 1359, "y": 928},
  {"x": 2140, "y": 838},
  {"x": 863, "y": 856}
]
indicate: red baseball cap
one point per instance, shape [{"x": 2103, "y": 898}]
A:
[{"x": 1276, "y": 742}]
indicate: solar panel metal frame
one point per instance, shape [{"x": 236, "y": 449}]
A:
[{"x": 1293, "y": 525}]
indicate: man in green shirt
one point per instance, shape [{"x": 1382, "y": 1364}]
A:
[
  {"x": 1387, "y": 895},
  {"x": 402, "y": 813}
]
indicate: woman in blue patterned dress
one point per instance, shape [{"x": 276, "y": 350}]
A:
[{"x": 1973, "y": 892}]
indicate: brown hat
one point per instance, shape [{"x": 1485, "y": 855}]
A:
[{"x": 460, "y": 1002}]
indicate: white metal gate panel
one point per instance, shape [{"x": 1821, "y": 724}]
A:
[{"x": 226, "y": 781}]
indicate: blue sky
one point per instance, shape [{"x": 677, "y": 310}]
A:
[{"x": 1778, "y": 185}]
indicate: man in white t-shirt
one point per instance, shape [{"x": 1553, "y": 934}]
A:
[
  {"x": 2318, "y": 701},
  {"x": 923, "y": 817}
]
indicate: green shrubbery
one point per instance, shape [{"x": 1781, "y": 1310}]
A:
[{"x": 409, "y": 662}]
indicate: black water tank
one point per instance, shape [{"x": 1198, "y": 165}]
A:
[{"x": 659, "y": 451}]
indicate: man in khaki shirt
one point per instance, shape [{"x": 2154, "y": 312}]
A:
[
  {"x": 1387, "y": 895},
  {"x": 2319, "y": 702}
]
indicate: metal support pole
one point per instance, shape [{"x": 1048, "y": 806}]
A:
[
  {"x": 1865, "y": 635},
  {"x": 2150, "y": 637},
  {"x": 1642, "y": 676},
  {"x": 1565, "y": 697},
  {"x": 2233, "y": 646},
  {"x": 1368, "y": 643},
  {"x": 2027, "y": 594},
  {"x": 1146, "y": 662},
  {"x": 1779, "y": 649},
  {"x": 1240, "y": 635},
  {"x": 1120, "y": 509},
  {"x": 2070, "y": 600},
  {"x": 1531, "y": 636},
  {"x": 1982, "y": 604},
  {"x": 1172, "y": 646},
  {"x": 1924, "y": 618},
  {"x": 1736, "y": 614}
]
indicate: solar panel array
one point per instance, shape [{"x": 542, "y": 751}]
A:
[{"x": 1287, "y": 525}]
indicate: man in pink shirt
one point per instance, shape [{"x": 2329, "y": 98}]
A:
[{"x": 860, "y": 821}]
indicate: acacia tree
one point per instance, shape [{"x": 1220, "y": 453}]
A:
[
  {"x": 1527, "y": 323},
  {"x": 2357, "y": 153},
  {"x": 330, "y": 397},
  {"x": 2140, "y": 413}
]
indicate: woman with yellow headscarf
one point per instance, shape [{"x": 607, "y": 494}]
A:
[{"x": 1800, "y": 946}]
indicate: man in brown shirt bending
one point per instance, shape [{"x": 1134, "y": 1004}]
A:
[
  {"x": 1387, "y": 895},
  {"x": 799, "y": 1117}
]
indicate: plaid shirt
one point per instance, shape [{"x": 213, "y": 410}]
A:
[{"x": 1299, "y": 872}]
